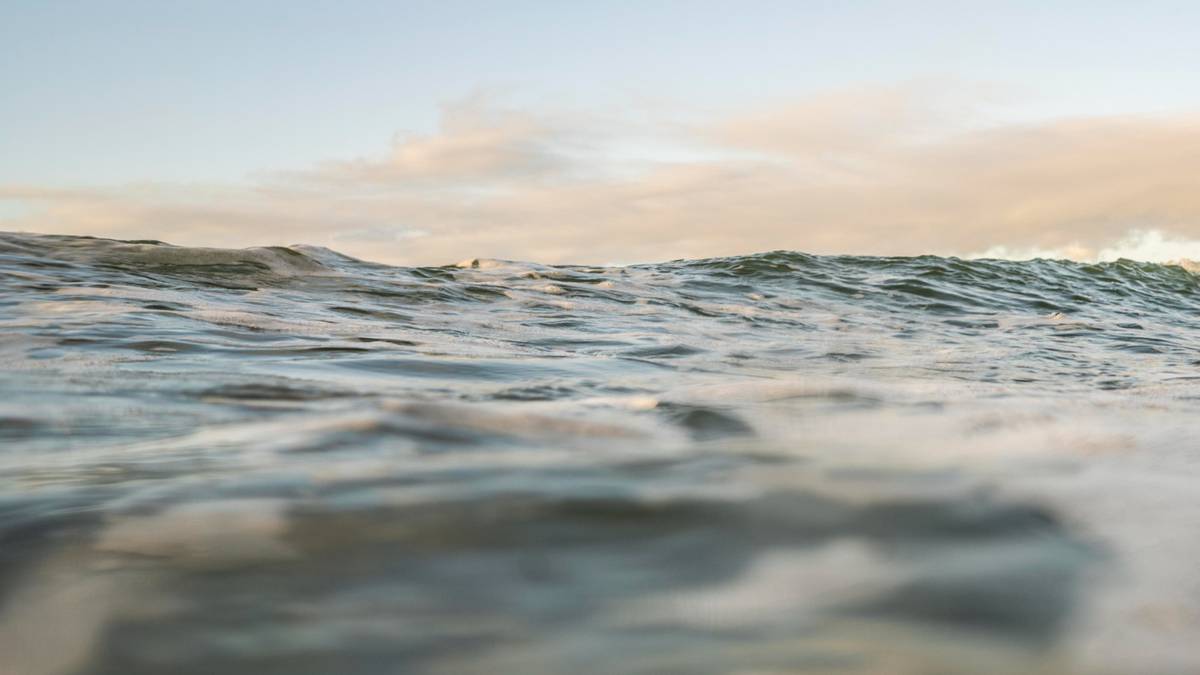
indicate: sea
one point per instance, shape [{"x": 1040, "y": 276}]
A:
[{"x": 286, "y": 460}]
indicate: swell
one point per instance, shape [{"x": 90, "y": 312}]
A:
[
  {"x": 1041, "y": 283},
  {"x": 1051, "y": 285},
  {"x": 772, "y": 288}
]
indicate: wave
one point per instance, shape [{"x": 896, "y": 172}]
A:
[
  {"x": 287, "y": 458},
  {"x": 929, "y": 283}
]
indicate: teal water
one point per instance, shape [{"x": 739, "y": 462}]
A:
[{"x": 285, "y": 460}]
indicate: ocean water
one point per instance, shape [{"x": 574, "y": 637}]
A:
[{"x": 286, "y": 460}]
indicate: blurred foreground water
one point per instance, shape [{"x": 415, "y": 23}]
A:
[{"x": 285, "y": 460}]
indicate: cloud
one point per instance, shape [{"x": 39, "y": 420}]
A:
[
  {"x": 477, "y": 144},
  {"x": 887, "y": 170}
]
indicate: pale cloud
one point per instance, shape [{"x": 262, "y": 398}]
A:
[
  {"x": 860, "y": 123},
  {"x": 476, "y": 144},
  {"x": 889, "y": 170}
]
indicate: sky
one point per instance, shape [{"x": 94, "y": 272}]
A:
[{"x": 607, "y": 132}]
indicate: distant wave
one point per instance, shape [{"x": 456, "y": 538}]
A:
[{"x": 925, "y": 282}]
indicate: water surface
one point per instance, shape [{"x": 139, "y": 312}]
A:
[{"x": 285, "y": 460}]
